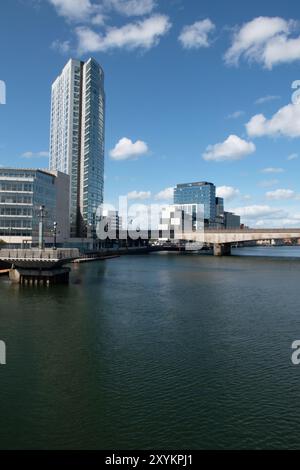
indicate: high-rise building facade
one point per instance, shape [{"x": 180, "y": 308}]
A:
[
  {"x": 77, "y": 138},
  {"x": 198, "y": 193}
]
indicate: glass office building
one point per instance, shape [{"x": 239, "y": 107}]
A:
[
  {"x": 92, "y": 143},
  {"x": 22, "y": 193},
  {"x": 77, "y": 138},
  {"x": 198, "y": 193}
]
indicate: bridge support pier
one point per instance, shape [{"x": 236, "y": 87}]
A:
[
  {"x": 39, "y": 277},
  {"x": 222, "y": 249}
]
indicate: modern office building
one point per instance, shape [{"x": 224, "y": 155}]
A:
[
  {"x": 192, "y": 215},
  {"x": 232, "y": 221},
  {"x": 220, "y": 218},
  {"x": 219, "y": 207},
  {"x": 198, "y": 193},
  {"x": 179, "y": 218},
  {"x": 22, "y": 194},
  {"x": 77, "y": 138}
]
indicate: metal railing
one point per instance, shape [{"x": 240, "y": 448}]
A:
[{"x": 36, "y": 254}]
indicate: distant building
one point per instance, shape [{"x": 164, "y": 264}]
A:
[
  {"x": 232, "y": 221},
  {"x": 179, "y": 218},
  {"x": 219, "y": 207},
  {"x": 193, "y": 214},
  {"x": 220, "y": 218},
  {"x": 112, "y": 219},
  {"x": 77, "y": 138},
  {"x": 198, "y": 193},
  {"x": 22, "y": 193}
]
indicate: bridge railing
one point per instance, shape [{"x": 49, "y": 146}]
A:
[
  {"x": 252, "y": 230},
  {"x": 36, "y": 254}
]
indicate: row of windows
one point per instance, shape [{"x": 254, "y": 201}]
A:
[
  {"x": 15, "y": 211},
  {"x": 15, "y": 223},
  {"x": 16, "y": 233},
  {"x": 16, "y": 199},
  {"x": 25, "y": 187}
]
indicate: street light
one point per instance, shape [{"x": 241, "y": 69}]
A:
[
  {"x": 54, "y": 234},
  {"x": 41, "y": 226}
]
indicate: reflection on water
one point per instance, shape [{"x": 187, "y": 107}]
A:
[
  {"x": 158, "y": 351},
  {"x": 277, "y": 252}
]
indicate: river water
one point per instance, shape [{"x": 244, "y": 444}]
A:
[{"x": 157, "y": 351}]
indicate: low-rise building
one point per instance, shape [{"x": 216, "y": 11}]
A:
[{"x": 26, "y": 196}]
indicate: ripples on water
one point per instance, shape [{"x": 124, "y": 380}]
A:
[{"x": 155, "y": 352}]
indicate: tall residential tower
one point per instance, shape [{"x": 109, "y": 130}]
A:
[{"x": 77, "y": 138}]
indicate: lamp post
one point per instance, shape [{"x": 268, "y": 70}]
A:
[
  {"x": 41, "y": 227},
  {"x": 94, "y": 228},
  {"x": 9, "y": 231},
  {"x": 54, "y": 234}
]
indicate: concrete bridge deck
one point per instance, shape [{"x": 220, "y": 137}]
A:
[
  {"x": 246, "y": 235},
  {"x": 38, "y": 259},
  {"x": 222, "y": 239}
]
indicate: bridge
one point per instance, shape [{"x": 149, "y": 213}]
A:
[
  {"x": 36, "y": 266},
  {"x": 222, "y": 239}
]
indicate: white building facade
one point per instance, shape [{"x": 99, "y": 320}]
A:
[{"x": 77, "y": 138}]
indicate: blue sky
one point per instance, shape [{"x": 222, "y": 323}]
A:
[{"x": 196, "y": 90}]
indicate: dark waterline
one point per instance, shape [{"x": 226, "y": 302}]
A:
[{"x": 158, "y": 351}]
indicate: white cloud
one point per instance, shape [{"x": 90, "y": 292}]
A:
[
  {"x": 62, "y": 46},
  {"x": 139, "y": 195},
  {"x": 142, "y": 34},
  {"x": 76, "y": 10},
  {"x": 133, "y": 7},
  {"x": 272, "y": 170},
  {"x": 196, "y": 35},
  {"x": 281, "y": 49},
  {"x": 234, "y": 148},
  {"x": 227, "y": 192},
  {"x": 95, "y": 12},
  {"x": 267, "y": 216},
  {"x": 265, "y": 40},
  {"x": 267, "y": 99},
  {"x": 284, "y": 220},
  {"x": 98, "y": 19},
  {"x": 126, "y": 149},
  {"x": 236, "y": 115},
  {"x": 268, "y": 183},
  {"x": 255, "y": 211},
  {"x": 280, "y": 194},
  {"x": 286, "y": 122},
  {"x": 293, "y": 156},
  {"x": 165, "y": 195},
  {"x": 44, "y": 154}
]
